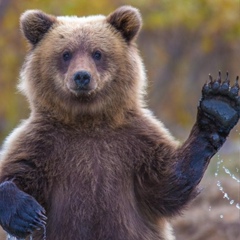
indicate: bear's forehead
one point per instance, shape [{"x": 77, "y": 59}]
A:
[
  {"x": 82, "y": 28},
  {"x": 86, "y": 33},
  {"x": 81, "y": 20}
]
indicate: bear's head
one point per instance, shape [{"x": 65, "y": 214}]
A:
[{"x": 82, "y": 65}]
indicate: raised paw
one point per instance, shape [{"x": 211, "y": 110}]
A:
[{"x": 219, "y": 107}]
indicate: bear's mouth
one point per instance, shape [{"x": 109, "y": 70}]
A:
[
  {"x": 82, "y": 91},
  {"x": 83, "y": 94}
]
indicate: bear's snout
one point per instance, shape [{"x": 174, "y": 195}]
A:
[{"x": 82, "y": 80}]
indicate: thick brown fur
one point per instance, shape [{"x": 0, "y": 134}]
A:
[
  {"x": 98, "y": 162},
  {"x": 76, "y": 157}
]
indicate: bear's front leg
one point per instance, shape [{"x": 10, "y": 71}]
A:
[
  {"x": 168, "y": 182},
  {"x": 20, "y": 213},
  {"x": 218, "y": 113}
]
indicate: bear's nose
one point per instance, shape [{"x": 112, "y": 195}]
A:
[{"x": 82, "y": 79}]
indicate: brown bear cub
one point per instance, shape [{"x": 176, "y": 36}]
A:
[{"x": 91, "y": 162}]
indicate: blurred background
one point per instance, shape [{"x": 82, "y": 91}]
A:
[{"x": 181, "y": 43}]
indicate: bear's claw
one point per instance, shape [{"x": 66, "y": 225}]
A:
[
  {"x": 223, "y": 87},
  {"x": 222, "y": 91}
]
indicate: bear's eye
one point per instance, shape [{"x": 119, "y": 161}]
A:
[
  {"x": 97, "y": 55},
  {"x": 66, "y": 56}
]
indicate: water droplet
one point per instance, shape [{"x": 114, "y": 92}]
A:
[
  {"x": 226, "y": 196},
  {"x": 227, "y": 171},
  {"x": 31, "y": 237},
  {"x": 10, "y": 237},
  {"x": 210, "y": 208},
  {"x": 236, "y": 179},
  {"x": 221, "y": 216}
]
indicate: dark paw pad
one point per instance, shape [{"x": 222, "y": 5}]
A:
[{"x": 221, "y": 103}]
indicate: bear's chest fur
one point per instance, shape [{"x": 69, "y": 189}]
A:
[
  {"x": 92, "y": 184},
  {"x": 95, "y": 167}
]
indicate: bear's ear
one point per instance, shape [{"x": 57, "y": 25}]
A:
[
  {"x": 34, "y": 24},
  {"x": 127, "y": 20}
]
